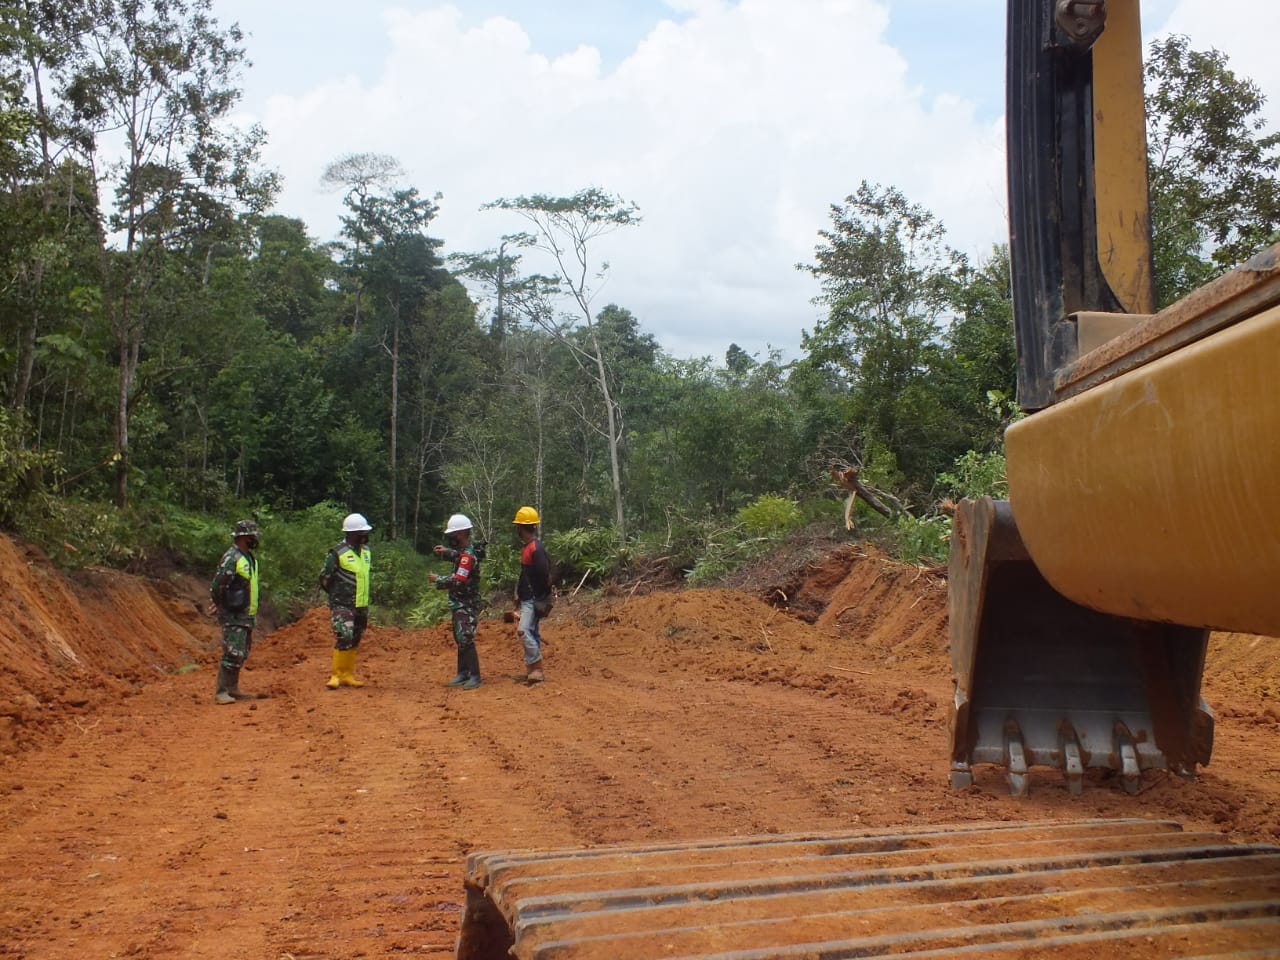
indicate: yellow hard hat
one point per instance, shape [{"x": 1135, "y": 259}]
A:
[{"x": 526, "y": 515}]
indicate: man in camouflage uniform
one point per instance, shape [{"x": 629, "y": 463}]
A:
[
  {"x": 464, "y": 597},
  {"x": 345, "y": 578},
  {"x": 234, "y": 592}
]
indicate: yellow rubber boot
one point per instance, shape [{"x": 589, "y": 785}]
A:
[
  {"x": 348, "y": 674},
  {"x": 335, "y": 677}
]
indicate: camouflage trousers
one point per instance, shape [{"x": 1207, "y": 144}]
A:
[
  {"x": 464, "y": 627},
  {"x": 348, "y": 626},
  {"x": 237, "y": 638}
]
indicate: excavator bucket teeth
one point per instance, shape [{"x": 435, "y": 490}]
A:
[
  {"x": 1043, "y": 681},
  {"x": 1054, "y": 889}
]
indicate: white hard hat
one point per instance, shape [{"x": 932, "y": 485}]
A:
[
  {"x": 355, "y": 523},
  {"x": 457, "y": 522}
]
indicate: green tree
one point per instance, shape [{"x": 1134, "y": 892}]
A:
[
  {"x": 292, "y": 275},
  {"x": 402, "y": 268},
  {"x": 565, "y": 228},
  {"x": 359, "y": 173},
  {"x": 522, "y": 311},
  {"x": 448, "y": 362},
  {"x": 159, "y": 76},
  {"x": 888, "y": 279},
  {"x": 1215, "y": 195},
  {"x": 983, "y": 359},
  {"x": 48, "y": 209}
]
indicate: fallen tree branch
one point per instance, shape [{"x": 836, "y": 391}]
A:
[{"x": 847, "y": 477}]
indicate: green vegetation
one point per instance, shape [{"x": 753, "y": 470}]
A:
[{"x": 177, "y": 355}]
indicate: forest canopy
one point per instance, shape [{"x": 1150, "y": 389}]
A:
[{"x": 171, "y": 345}]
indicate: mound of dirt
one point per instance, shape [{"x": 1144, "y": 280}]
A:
[{"x": 66, "y": 645}]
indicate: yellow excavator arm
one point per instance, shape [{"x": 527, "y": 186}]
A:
[{"x": 1143, "y": 483}]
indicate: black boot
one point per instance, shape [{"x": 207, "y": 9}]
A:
[
  {"x": 223, "y": 694},
  {"x": 473, "y": 668},
  {"x": 233, "y": 686},
  {"x": 461, "y": 677}
]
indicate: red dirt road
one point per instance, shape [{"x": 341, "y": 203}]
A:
[{"x": 141, "y": 820}]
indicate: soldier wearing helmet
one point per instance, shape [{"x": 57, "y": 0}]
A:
[
  {"x": 234, "y": 592},
  {"x": 345, "y": 578},
  {"x": 533, "y": 591},
  {"x": 464, "y": 597}
]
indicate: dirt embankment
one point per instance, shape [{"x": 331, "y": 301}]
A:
[
  {"x": 68, "y": 645},
  {"x": 141, "y": 820}
]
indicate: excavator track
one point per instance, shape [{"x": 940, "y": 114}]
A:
[{"x": 1056, "y": 889}]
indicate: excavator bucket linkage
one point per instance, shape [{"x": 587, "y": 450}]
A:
[{"x": 1055, "y": 889}]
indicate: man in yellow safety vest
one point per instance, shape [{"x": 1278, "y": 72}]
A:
[
  {"x": 234, "y": 592},
  {"x": 345, "y": 578}
]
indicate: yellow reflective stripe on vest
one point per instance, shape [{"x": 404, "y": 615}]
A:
[
  {"x": 358, "y": 565},
  {"x": 250, "y": 572}
]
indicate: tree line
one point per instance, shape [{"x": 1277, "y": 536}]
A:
[{"x": 167, "y": 338}]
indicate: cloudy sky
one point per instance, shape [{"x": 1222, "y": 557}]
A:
[{"x": 732, "y": 125}]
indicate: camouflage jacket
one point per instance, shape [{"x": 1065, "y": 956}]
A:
[
  {"x": 464, "y": 583},
  {"x": 234, "y": 588}
]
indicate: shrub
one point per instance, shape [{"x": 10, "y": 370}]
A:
[
  {"x": 977, "y": 475},
  {"x": 292, "y": 550},
  {"x": 81, "y": 533},
  {"x": 593, "y": 551},
  {"x": 432, "y": 608},
  {"x": 922, "y": 539},
  {"x": 769, "y": 515},
  {"x": 198, "y": 539},
  {"x": 500, "y": 568},
  {"x": 21, "y": 469}
]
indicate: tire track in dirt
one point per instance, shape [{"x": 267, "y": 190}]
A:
[{"x": 336, "y": 824}]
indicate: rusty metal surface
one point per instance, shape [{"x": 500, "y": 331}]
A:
[
  {"x": 1133, "y": 888},
  {"x": 1094, "y": 329},
  {"x": 1245, "y": 291}
]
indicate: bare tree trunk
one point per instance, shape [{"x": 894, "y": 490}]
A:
[
  {"x": 395, "y": 417},
  {"x": 31, "y": 324},
  {"x": 539, "y": 453},
  {"x": 611, "y": 411},
  {"x": 26, "y": 358},
  {"x": 130, "y": 347}
]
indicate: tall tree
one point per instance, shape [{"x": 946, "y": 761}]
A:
[
  {"x": 499, "y": 277},
  {"x": 565, "y": 228},
  {"x": 1215, "y": 194},
  {"x": 888, "y": 279},
  {"x": 523, "y": 310},
  {"x": 49, "y": 207},
  {"x": 159, "y": 76},
  {"x": 983, "y": 356},
  {"x": 292, "y": 278},
  {"x": 447, "y": 356},
  {"x": 359, "y": 173},
  {"x": 402, "y": 267}
]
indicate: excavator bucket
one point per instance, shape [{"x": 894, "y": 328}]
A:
[{"x": 1043, "y": 681}]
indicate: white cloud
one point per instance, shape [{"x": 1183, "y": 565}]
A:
[
  {"x": 734, "y": 126},
  {"x": 733, "y": 130}
]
